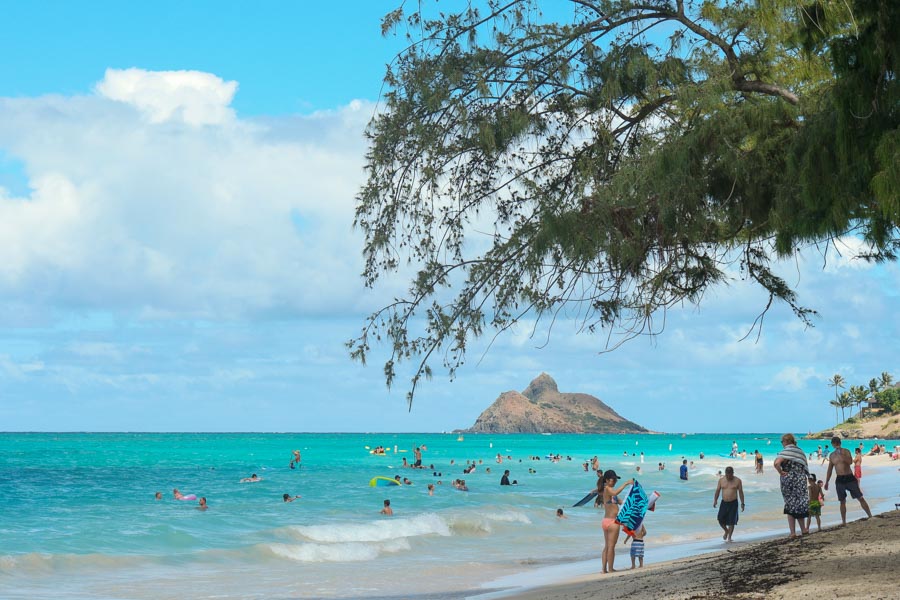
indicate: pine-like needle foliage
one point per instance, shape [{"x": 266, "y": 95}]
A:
[{"x": 616, "y": 164}]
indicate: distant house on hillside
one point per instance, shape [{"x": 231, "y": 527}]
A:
[{"x": 873, "y": 405}]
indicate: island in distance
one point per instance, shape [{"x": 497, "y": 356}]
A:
[{"x": 541, "y": 408}]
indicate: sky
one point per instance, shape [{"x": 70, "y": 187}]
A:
[{"x": 177, "y": 186}]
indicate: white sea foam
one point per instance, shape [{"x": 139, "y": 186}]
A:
[
  {"x": 373, "y": 531},
  {"x": 337, "y": 552},
  {"x": 481, "y": 523},
  {"x": 508, "y": 517}
]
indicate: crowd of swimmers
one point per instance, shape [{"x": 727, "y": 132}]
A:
[{"x": 729, "y": 489}]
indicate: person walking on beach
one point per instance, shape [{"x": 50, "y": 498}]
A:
[
  {"x": 731, "y": 487},
  {"x": 857, "y": 464},
  {"x": 610, "y": 502},
  {"x": 825, "y": 454},
  {"x": 792, "y": 466},
  {"x": 840, "y": 461}
]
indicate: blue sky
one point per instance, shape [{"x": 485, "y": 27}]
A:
[{"x": 177, "y": 185}]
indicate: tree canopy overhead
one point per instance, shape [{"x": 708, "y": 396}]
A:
[{"x": 618, "y": 161}]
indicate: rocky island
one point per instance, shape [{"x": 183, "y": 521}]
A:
[{"x": 542, "y": 408}]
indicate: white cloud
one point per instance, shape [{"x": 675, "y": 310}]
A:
[
  {"x": 844, "y": 254},
  {"x": 792, "y": 378},
  {"x": 18, "y": 370},
  {"x": 193, "y": 97},
  {"x": 133, "y": 207},
  {"x": 852, "y": 331}
]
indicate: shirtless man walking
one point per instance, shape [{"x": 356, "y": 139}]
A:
[
  {"x": 841, "y": 461},
  {"x": 731, "y": 487}
]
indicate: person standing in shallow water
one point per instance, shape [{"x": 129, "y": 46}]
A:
[
  {"x": 731, "y": 487},
  {"x": 839, "y": 461},
  {"x": 610, "y": 502},
  {"x": 794, "y": 471}
]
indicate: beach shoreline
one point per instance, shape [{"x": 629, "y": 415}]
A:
[{"x": 769, "y": 565}]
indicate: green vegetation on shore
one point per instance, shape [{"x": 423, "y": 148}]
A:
[
  {"x": 879, "y": 394},
  {"x": 881, "y": 418}
]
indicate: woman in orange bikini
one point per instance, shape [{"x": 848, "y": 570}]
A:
[{"x": 610, "y": 512}]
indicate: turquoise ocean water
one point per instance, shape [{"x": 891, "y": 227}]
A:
[{"x": 78, "y": 517}]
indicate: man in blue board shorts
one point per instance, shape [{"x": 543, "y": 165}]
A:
[{"x": 841, "y": 461}]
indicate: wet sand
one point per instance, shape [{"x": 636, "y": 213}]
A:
[{"x": 859, "y": 560}]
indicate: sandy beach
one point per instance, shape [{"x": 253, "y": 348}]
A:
[{"x": 859, "y": 560}]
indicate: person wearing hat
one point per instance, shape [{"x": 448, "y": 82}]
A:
[{"x": 610, "y": 501}]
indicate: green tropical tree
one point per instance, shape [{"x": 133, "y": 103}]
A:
[
  {"x": 844, "y": 401},
  {"x": 874, "y": 388},
  {"x": 837, "y": 381},
  {"x": 886, "y": 379},
  {"x": 836, "y": 403},
  {"x": 858, "y": 395},
  {"x": 619, "y": 160}
]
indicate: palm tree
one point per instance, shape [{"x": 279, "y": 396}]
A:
[
  {"x": 874, "y": 388},
  {"x": 836, "y": 382},
  {"x": 845, "y": 402},
  {"x": 836, "y": 404},
  {"x": 858, "y": 395},
  {"x": 886, "y": 379}
]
